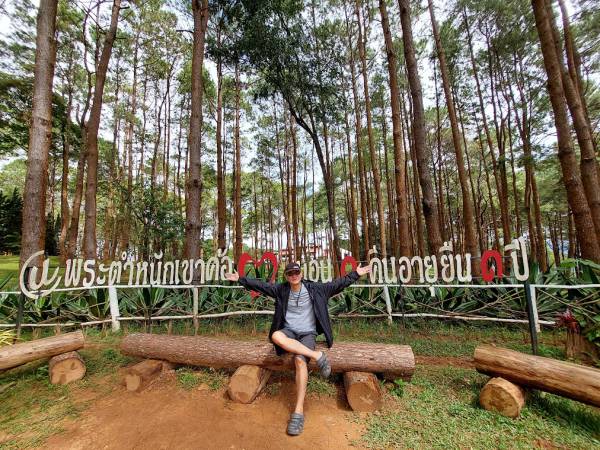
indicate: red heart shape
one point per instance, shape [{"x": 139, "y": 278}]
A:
[
  {"x": 245, "y": 258},
  {"x": 347, "y": 260}
]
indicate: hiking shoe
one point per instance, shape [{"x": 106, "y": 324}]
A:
[
  {"x": 296, "y": 424},
  {"x": 324, "y": 366}
]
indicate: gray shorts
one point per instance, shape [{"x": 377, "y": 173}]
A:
[{"x": 307, "y": 339}]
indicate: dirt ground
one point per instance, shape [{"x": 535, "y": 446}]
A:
[{"x": 165, "y": 416}]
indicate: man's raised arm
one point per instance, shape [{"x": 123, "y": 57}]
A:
[
  {"x": 252, "y": 284},
  {"x": 339, "y": 284}
]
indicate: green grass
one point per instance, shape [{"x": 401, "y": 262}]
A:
[
  {"x": 189, "y": 379},
  {"x": 31, "y": 408},
  {"x": 319, "y": 386},
  {"x": 439, "y": 409},
  {"x": 9, "y": 266}
]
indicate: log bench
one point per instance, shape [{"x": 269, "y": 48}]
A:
[
  {"x": 513, "y": 370},
  {"x": 254, "y": 362},
  {"x": 65, "y": 365}
]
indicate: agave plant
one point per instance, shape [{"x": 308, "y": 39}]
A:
[{"x": 6, "y": 337}]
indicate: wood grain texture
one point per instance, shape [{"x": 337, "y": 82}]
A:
[
  {"x": 66, "y": 367},
  {"x": 247, "y": 382},
  {"x": 503, "y": 397},
  {"x": 139, "y": 375},
  {"x": 24, "y": 352},
  {"x": 362, "y": 391},
  {"x": 396, "y": 361},
  {"x": 558, "y": 377}
]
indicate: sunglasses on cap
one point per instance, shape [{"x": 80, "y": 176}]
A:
[{"x": 292, "y": 273}]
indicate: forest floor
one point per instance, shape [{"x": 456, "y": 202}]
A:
[{"x": 189, "y": 407}]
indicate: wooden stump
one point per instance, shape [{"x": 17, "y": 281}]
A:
[
  {"x": 66, "y": 368},
  {"x": 138, "y": 376},
  {"x": 363, "y": 391},
  {"x": 578, "y": 346},
  {"x": 502, "y": 396},
  {"x": 247, "y": 382}
]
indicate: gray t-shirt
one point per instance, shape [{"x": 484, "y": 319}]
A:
[{"x": 300, "y": 316}]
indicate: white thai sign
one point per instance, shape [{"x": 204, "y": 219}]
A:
[{"x": 429, "y": 269}]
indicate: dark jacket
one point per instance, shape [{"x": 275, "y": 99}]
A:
[{"x": 319, "y": 294}]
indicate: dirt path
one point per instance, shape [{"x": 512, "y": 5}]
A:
[{"x": 165, "y": 416}]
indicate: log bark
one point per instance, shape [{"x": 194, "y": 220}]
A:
[
  {"x": 399, "y": 163},
  {"x": 362, "y": 391},
  {"x": 40, "y": 136},
  {"x": 503, "y": 397},
  {"x": 392, "y": 360},
  {"x": 92, "y": 128},
  {"x": 66, "y": 367},
  {"x": 576, "y": 196},
  {"x": 18, "y": 354},
  {"x": 194, "y": 182},
  {"x": 138, "y": 376},
  {"x": 422, "y": 153},
  {"x": 558, "y": 377},
  {"x": 247, "y": 382}
]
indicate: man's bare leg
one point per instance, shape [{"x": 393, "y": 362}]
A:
[
  {"x": 301, "y": 382},
  {"x": 293, "y": 346}
]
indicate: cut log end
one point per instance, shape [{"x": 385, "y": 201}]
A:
[
  {"x": 138, "y": 376},
  {"x": 362, "y": 391},
  {"x": 247, "y": 382},
  {"x": 66, "y": 368},
  {"x": 503, "y": 397}
]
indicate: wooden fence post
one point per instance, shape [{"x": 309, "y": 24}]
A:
[
  {"x": 195, "y": 308},
  {"x": 114, "y": 308},
  {"x": 388, "y": 303},
  {"x": 532, "y": 316}
]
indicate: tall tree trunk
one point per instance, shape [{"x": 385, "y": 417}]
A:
[
  {"x": 129, "y": 136},
  {"x": 91, "y": 142},
  {"x": 468, "y": 217},
  {"x": 365, "y": 211},
  {"x": 531, "y": 192},
  {"x": 423, "y": 157},
  {"x": 293, "y": 191},
  {"x": 584, "y": 224},
  {"x": 476, "y": 203},
  {"x": 40, "y": 136},
  {"x": 437, "y": 174},
  {"x": 374, "y": 161},
  {"x": 64, "y": 189},
  {"x": 399, "y": 163},
  {"x": 574, "y": 64},
  {"x": 486, "y": 127},
  {"x": 237, "y": 196},
  {"x": 221, "y": 212},
  {"x": 500, "y": 165},
  {"x": 354, "y": 240},
  {"x": 590, "y": 175},
  {"x": 282, "y": 176},
  {"x": 311, "y": 130},
  {"x": 109, "y": 215},
  {"x": 192, "y": 241}
]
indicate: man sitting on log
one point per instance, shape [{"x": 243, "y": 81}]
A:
[{"x": 300, "y": 315}]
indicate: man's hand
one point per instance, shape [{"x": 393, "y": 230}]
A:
[
  {"x": 363, "y": 270},
  {"x": 232, "y": 276}
]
